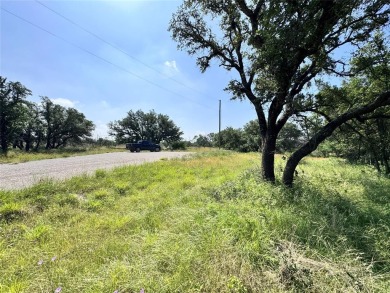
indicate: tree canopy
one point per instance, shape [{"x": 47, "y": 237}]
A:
[
  {"x": 277, "y": 49},
  {"x": 145, "y": 126},
  {"x": 63, "y": 124},
  {"x": 12, "y": 106},
  {"x": 25, "y": 124},
  {"x": 366, "y": 138}
]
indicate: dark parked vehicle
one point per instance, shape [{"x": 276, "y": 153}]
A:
[{"x": 143, "y": 145}]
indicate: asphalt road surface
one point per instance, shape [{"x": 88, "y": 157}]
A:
[{"x": 17, "y": 176}]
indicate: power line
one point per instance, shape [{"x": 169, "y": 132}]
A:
[
  {"x": 101, "y": 58},
  {"x": 116, "y": 47}
]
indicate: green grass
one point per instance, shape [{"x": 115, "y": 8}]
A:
[
  {"x": 201, "y": 224},
  {"x": 19, "y": 156}
]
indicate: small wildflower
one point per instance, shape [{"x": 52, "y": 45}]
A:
[
  {"x": 40, "y": 262},
  {"x": 53, "y": 258},
  {"x": 142, "y": 291},
  {"x": 58, "y": 290},
  {"x": 116, "y": 291}
]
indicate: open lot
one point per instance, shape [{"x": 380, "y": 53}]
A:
[{"x": 207, "y": 223}]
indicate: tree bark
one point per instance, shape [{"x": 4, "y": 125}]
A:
[
  {"x": 48, "y": 144},
  {"x": 326, "y": 131},
  {"x": 4, "y": 145},
  {"x": 38, "y": 142},
  {"x": 376, "y": 162},
  {"x": 385, "y": 161},
  {"x": 28, "y": 143},
  {"x": 268, "y": 158},
  {"x": 3, "y": 136}
]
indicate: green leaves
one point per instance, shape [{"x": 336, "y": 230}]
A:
[
  {"x": 63, "y": 125},
  {"x": 145, "y": 126},
  {"x": 277, "y": 48},
  {"x": 12, "y": 105}
]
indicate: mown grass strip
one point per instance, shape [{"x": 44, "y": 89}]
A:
[{"x": 20, "y": 156}]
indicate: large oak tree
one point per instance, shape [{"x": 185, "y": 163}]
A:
[
  {"x": 142, "y": 125},
  {"x": 63, "y": 125},
  {"x": 12, "y": 106},
  {"x": 277, "y": 48}
]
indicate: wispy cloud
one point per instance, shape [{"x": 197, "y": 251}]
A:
[
  {"x": 171, "y": 64},
  {"x": 64, "y": 102}
]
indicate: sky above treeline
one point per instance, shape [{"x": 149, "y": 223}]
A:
[{"x": 105, "y": 58}]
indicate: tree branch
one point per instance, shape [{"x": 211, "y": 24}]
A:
[{"x": 288, "y": 175}]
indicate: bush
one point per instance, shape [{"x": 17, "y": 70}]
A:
[{"x": 178, "y": 145}]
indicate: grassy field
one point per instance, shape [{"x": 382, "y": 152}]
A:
[
  {"x": 200, "y": 224},
  {"x": 19, "y": 156}
]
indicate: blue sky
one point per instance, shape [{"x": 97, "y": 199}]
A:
[{"x": 104, "y": 83}]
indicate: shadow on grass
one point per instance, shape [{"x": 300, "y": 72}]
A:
[
  {"x": 331, "y": 220},
  {"x": 328, "y": 216}
]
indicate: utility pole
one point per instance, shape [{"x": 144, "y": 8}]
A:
[{"x": 219, "y": 129}]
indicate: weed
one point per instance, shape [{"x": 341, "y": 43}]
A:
[
  {"x": 11, "y": 211},
  {"x": 100, "y": 173}
]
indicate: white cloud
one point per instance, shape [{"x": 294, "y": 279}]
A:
[
  {"x": 171, "y": 64},
  {"x": 101, "y": 130},
  {"x": 64, "y": 102}
]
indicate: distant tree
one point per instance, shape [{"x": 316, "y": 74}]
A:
[
  {"x": 12, "y": 106},
  {"x": 76, "y": 127},
  {"x": 145, "y": 126},
  {"x": 202, "y": 140},
  {"x": 63, "y": 125},
  {"x": 290, "y": 137},
  {"x": 232, "y": 139},
  {"x": 277, "y": 48},
  {"x": 178, "y": 145},
  {"x": 310, "y": 124},
  {"x": 251, "y": 136},
  {"x": 53, "y": 117},
  {"x": 32, "y": 132},
  {"x": 367, "y": 143},
  {"x": 104, "y": 142}
]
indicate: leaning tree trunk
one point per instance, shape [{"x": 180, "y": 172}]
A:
[
  {"x": 306, "y": 149},
  {"x": 288, "y": 174}
]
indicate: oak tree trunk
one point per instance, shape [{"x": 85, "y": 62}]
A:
[
  {"x": 268, "y": 158},
  {"x": 3, "y": 136}
]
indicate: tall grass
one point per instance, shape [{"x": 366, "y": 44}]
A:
[{"x": 201, "y": 224}]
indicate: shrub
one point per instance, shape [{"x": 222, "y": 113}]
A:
[{"x": 178, "y": 145}]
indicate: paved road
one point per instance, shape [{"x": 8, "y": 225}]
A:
[{"x": 17, "y": 176}]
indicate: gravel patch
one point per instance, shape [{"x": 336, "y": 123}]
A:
[{"x": 18, "y": 176}]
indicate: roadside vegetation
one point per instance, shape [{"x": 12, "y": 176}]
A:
[
  {"x": 206, "y": 223},
  {"x": 20, "y": 156}
]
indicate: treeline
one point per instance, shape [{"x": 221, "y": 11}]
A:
[
  {"x": 247, "y": 138},
  {"x": 29, "y": 126},
  {"x": 366, "y": 142}
]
